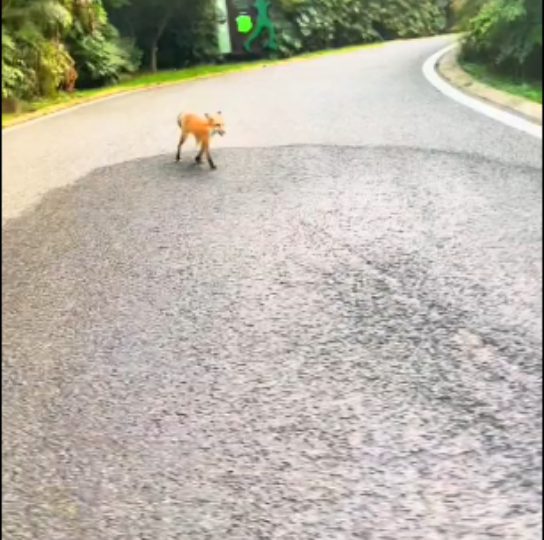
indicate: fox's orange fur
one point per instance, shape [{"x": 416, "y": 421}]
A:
[{"x": 202, "y": 129}]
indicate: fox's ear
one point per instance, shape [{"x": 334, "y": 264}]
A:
[
  {"x": 207, "y": 115},
  {"x": 219, "y": 112}
]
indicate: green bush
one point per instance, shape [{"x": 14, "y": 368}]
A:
[
  {"x": 103, "y": 57},
  {"x": 44, "y": 42},
  {"x": 506, "y": 35},
  {"x": 13, "y": 69}
]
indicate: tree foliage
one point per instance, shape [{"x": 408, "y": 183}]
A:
[
  {"x": 507, "y": 36},
  {"x": 318, "y": 24},
  {"x": 50, "y": 45},
  {"x": 465, "y": 10}
]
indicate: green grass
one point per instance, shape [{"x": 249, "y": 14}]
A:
[
  {"x": 528, "y": 90},
  {"x": 148, "y": 80}
]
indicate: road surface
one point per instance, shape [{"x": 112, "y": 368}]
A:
[{"x": 334, "y": 336}]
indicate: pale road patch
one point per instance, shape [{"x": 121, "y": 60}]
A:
[{"x": 509, "y": 119}]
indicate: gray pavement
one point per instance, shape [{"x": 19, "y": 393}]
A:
[{"x": 334, "y": 336}]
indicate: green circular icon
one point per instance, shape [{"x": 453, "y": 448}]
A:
[{"x": 244, "y": 24}]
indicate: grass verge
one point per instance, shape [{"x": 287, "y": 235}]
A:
[
  {"x": 44, "y": 107},
  {"x": 528, "y": 90}
]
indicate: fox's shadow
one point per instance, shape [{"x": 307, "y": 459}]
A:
[{"x": 188, "y": 165}]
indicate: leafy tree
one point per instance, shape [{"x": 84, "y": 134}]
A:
[{"x": 171, "y": 33}]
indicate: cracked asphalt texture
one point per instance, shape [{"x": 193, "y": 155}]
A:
[{"x": 334, "y": 336}]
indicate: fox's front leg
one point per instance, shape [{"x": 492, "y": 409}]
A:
[{"x": 206, "y": 148}]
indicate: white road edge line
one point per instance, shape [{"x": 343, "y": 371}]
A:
[{"x": 509, "y": 119}]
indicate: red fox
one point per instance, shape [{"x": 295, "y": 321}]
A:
[{"x": 202, "y": 130}]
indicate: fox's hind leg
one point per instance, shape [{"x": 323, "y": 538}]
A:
[{"x": 182, "y": 139}]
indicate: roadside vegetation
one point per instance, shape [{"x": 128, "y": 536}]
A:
[
  {"x": 503, "y": 44},
  {"x": 58, "y": 52}
]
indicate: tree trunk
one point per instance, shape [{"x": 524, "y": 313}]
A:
[
  {"x": 155, "y": 43},
  {"x": 153, "y": 57}
]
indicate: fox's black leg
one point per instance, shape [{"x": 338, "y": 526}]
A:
[
  {"x": 198, "y": 158},
  {"x": 206, "y": 148}
]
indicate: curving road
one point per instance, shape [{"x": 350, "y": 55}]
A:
[{"x": 334, "y": 336}]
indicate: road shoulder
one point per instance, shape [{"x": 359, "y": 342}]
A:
[{"x": 450, "y": 70}]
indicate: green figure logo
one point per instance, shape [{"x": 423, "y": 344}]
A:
[
  {"x": 263, "y": 22},
  {"x": 244, "y": 24}
]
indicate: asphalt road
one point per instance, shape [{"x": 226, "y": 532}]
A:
[{"x": 334, "y": 336}]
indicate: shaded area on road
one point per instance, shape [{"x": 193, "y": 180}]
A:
[{"x": 312, "y": 343}]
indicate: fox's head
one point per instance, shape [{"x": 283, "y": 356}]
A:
[{"x": 217, "y": 123}]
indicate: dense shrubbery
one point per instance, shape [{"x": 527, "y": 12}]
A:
[
  {"x": 506, "y": 35},
  {"x": 48, "y": 44},
  {"x": 320, "y": 24},
  {"x": 51, "y": 45}
]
